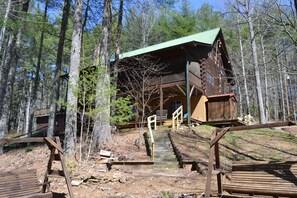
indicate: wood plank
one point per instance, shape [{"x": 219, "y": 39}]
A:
[
  {"x": 264, "y": 178},
  {"x": 39, "y": 195},
  {"x": 64, "y": 168},
  {"x": 259, "y": 189},
  {"x": 20, "y": 140},
  {"x": 132, "y": 162},
  {"x": 210, "y": 168},
  {"x": 239, "y": 163},
  {"x": 219, "y": 135},
  {"x": 183, "y": 92},
  {"x": 19, "y": 183},
  {"x": 217, "y": 161},
  {"x": 15, "y": 190},
  {"x": 192, "y": 89},
  {"x": 54, "y": 144},
  {"x": 257, "y": 126},
  {"x": 261, "y": 126}
]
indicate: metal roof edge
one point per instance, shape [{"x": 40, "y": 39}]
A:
[{"x": 206, "y": 37}]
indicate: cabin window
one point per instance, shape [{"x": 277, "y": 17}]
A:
[{"x": 210, "y": 79}]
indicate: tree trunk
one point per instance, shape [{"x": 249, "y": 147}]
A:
[
  {"x": 284, "y": 74},
  {"x": 118, "y": 47},
  {"x": 56, "y": 88},
  {"x": 3, "y": 29},
  {"x": 266, "y": 99},
  {"x": 256, "y": 67},
  {"x": 243, "y": 70},
  {"x": 276, "y": 104},
  {"x": 9, "y": 88},
  {"x": 5, "y": 69},
  {"x": 282, "y": 96},
  {"x": 102, "y": 131},
  {"x": 4, "y": 117},
  {"x": 72, "y": 100},
  {"x": 28, "y": 107}
]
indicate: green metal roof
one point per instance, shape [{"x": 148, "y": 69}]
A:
[{"x": 207, "y": 37}]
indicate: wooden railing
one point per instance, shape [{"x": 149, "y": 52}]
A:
[
  {"x": 214, "y": 167},
  {"x": 177, "y": 118},
  {"x": 152, "y": 120}
]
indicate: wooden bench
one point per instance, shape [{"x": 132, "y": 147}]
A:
[
  {"x": 21, "y": 183},
  {"x": 164, "y": 114},
  {"x": 263, "y": 178}
]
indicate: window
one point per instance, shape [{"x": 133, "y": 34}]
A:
[{"x": 210, "y": 79}]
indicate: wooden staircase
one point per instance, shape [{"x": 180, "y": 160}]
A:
[
  {"x": 167, "y": 122},
  {"x": 165, "y": 159}
]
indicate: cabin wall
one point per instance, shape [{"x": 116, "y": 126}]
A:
[
  {"x": 42, "y": 123},
  {"x": 198, "y": 107},
  {"x": 223, "y": 108}
]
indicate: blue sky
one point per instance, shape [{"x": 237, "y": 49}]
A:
[{"x": 218, "y": 5}]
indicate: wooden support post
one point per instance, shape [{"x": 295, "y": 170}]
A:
[
  {"x": 64, "y": 169},
  {"x": 49, "y": 167},
  {"x": 219, "y": 175},
  {"x": 192, "y": 89},
  {"x": 55, "y": 145},
  {"x": 180, "y": 89},
  {"x": 188, "y": 90},
  {"x": 161, "y": 105},
  {"x": 210, "y": 167}
]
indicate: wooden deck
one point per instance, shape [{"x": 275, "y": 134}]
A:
[{"x": 263, "y": 178}]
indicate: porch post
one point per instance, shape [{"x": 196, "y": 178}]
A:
[
  {"x": 188, "y": 90},
  {"x": 161, "y": 104}
]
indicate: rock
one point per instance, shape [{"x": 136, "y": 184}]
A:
[
  {"x": 122, "y": 158},
  {"x": 76, "y": 182},
  {"x": 104, "y": 188},
  {"x": 122, "y": 179},
  {"x": 105, "y": 153}
]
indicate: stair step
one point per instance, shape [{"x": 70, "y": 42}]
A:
[
  {"x": 164, "y": 152},
  {"x": 165, "y": 160},
  {"x": 166, "y": 166},
  {"x": 165, "y": 157}
]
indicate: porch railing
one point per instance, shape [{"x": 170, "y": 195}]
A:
[
  {"x": 177, "y": 118},
  {"x": 152, "y": 120}
]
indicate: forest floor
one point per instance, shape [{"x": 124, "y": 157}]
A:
[{"x": 145, "y": 181}]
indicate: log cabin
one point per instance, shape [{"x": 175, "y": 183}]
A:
[{"x": 194, "y": 68}]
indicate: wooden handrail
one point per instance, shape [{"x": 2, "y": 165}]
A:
[
  {"x": 177, "y": 118},
  {"x": 150, "y": 120}
]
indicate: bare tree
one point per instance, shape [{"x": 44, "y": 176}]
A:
[
  {"x": 283, "y": 16},
  {"x": 139, "y": 81},
  {"x": 243, "y": 69},
  {"x": 245, "y": 9}
]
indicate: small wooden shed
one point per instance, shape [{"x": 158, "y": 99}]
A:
[
  {"x": 41, "y": 117},
  {"x": 221, "y": 107}
]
